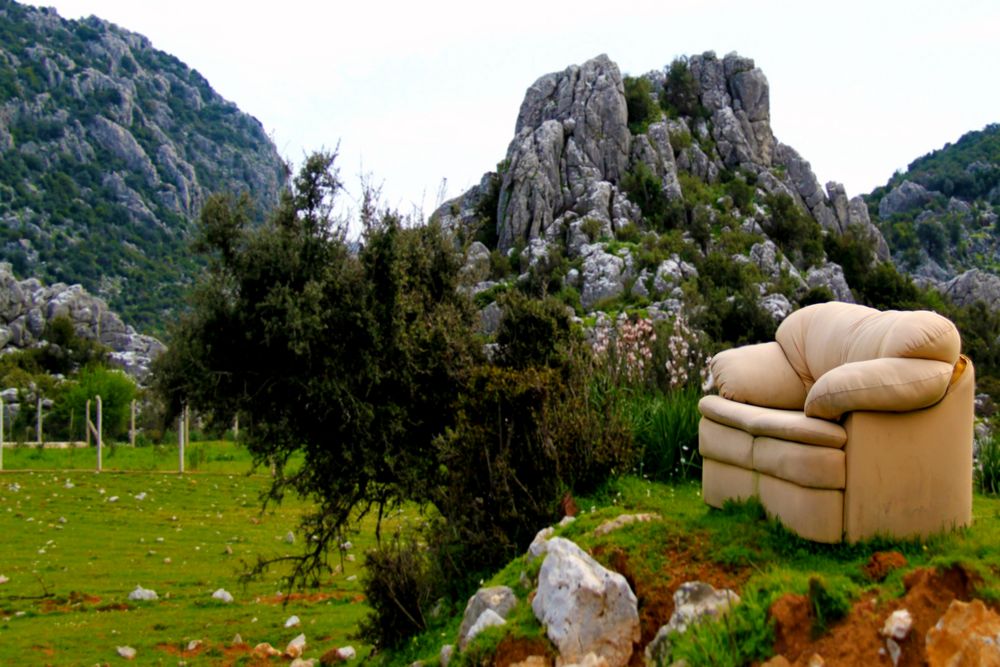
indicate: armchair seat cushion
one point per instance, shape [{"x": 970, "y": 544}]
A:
[
  {"x": 791, "y": 425},
  {"x": 813, "y": 467}
]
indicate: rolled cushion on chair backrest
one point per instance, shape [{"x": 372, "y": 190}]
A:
[
  {"x": 821, "y": 337},
  {"x": 890, "y": 384},
  {"x": 758, "y": 375}
]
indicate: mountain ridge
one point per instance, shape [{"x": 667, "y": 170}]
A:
[{"x": 108, "y": 148}]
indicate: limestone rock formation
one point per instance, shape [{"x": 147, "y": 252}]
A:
[
  {"x": 571, "y": 135},
  {"x": 974, "y": 285},
  {"x": 572, "y": 148},
  {"x": 965, "y": 635},
  {"x": 585, "y": 607},
  {"x": 498, "y": 600},
  {"x": 694, "y": 601},
  {"x": 904, "y": 197},
  {"x": 27, "y": 305}
]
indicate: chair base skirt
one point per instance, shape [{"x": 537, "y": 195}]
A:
[
  {"x": 721, "y": 482},
  {"x": 815, "y": 514}
]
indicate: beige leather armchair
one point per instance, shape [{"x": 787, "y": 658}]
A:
[{"x": 853, "y": 423}]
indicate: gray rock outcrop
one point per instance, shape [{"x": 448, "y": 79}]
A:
[
  {"x": 972, "y": 286},
  {"x": 603, "y": 276},
  {"x": 830, "y": 276},
  {"x": 694, "y": 601},
  {"x": 571, "y": 134},
  {"x": 904, "y": 197},
  {"x": 26, "y": 306},
  {"x": 497, "y": 600},
  {"x": 584, "y": 607}
]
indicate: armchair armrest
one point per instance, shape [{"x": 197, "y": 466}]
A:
[
  {"x": 880, "y": 385},
  {"x": 758, "y": 375}
]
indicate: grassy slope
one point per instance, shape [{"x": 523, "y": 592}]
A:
[
  {"x": 736, "y": 547},
  {"x": 90, "y": 563}
]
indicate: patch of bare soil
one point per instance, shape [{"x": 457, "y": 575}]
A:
[
  {"x": 882, "y": 563},
  {"x": 856, "y": 640},
  {"x": 512, "y": 650},
  {"x": 684, "y": 560},
  {"x": 311, "y": 597}
]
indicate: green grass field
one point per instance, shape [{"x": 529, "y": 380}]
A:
[{"x": 76, "y": 543}]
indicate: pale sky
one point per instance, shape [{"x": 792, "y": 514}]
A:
[{"x": 417, "y": 92}]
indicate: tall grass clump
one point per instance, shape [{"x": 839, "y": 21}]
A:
[
  {"x": 665, "y": 429},
  {"x": 987, "y": 471}
]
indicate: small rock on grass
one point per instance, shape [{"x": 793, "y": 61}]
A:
[
  {"x": 265, "y": 650},
  {"x": 223, "y": 595},
  {"x": 194, "y": 645},
  {"x": 296, "y": 647},
  {"x": 292, "y": 622},
  {"x": 141, "y": 593},
  {"x": 3, "y": 579},
  {"x": 126, "y": 652}
]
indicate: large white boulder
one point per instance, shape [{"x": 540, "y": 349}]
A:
[{"x": 585, "y": 607}]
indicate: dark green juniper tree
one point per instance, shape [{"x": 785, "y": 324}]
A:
[{"x": 350, "y": 358}]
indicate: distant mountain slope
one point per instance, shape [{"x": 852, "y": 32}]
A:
[
  {"x": 941, "y": 217},
  {"x": 108, "y": 148}
]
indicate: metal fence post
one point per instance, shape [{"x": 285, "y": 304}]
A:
[
  {"x": 131, "y": 429},
  {"x": 100, "y": 435},
  {"x": 180, "y": 441}
]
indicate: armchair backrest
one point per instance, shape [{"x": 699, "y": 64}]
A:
[{"x": 821, "y": 337}]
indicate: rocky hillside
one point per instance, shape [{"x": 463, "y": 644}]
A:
[
  {"x": 27, "y": 306},
  {"x": 662, "y": 191},
  {"x": 942, "y": 217},
  {"x": 108, "y": 147}
]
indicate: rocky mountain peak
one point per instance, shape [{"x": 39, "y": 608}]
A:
[{"x": 573, "y": 151}]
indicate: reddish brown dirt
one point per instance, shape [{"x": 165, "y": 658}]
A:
[
  {"x": 684, "y": 560},
  {"x": 856, "y": 640},
  {"x": 311, "y": 597},
  {"x": 882, "y": 563},
  {"x": 512, "y": 650},
  {"x": 173, "y": 649}
]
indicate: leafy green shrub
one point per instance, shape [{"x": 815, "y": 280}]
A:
[
  {"x": 116, "y": 390},
  {"x": 500, "y": 266},
  {"x": 646, "y": 190},
  {"x": 532, "y": 333},
  {"x": 629, "y": 233},
  {"x": 680, "y": 95},
  {"x": 639, "y": 101},
  {"x": 592, "y": 228},
  {"x": 523, "y": 437},
  {"x": 399, "y": 589},
  {"x": 820, "y": 294},
  {"x": 679, "y": 140},
  {"x": 741, "y": 191},
  {"x": 486, "y": 211},
  {"x": 796, "y": 233}
]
